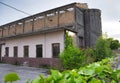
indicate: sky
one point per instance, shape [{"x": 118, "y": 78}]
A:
[{"x": 110, "y": 12}]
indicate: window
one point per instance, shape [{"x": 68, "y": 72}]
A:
[
  {"x": 38, "y": 50},
  {"x": 0, "y": 51},
  {"x": 15, "y": 51},
  {"x": 7, "y": 51},
  {"x": 55, "y": 49},
  {"x": 26, "y": 51}
]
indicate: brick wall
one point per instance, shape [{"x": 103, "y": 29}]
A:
[
  {"x": 65, "y": 18},
  {"x": 34, "y": 62}
]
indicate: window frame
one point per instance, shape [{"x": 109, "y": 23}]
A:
[
  {"x": 55, "y": 54},
  {"x": 26, "y": 50},
  {"x": 15, "y": 51},
  {"x": 7, "y": 51},
  {"x": 41, "y": 54}
]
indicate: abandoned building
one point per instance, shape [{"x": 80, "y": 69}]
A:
[{"x": 38, "y": 39}]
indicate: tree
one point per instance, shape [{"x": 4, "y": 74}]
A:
[
  {"x": 114, "y": 44},
  {"x": 102, "y": 49}
]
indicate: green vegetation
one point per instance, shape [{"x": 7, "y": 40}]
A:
[
  {"x": 73, "y": 57},
  {"x": 99, "y": 72},
  {"x": 102, "y": 49},
  {"x": 68, "y": 41},
  {"x": 11, "y": 77},
  {"x": 114, "y": 44}
]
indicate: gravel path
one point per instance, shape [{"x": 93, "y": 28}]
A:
[{"x": 24, "y": 72}]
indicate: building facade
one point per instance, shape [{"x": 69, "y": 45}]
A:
[{"x": 38, "y": 39}]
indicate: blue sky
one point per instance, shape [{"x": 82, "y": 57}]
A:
[{"x": 110, "y": 11}]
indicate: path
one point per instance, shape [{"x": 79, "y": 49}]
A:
[{"x": 24, "y": 72}]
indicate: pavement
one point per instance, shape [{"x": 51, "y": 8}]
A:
[{"x": 24, "y": 72}]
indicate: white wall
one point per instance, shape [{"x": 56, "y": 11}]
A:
[{"x": 45, "y": 39}]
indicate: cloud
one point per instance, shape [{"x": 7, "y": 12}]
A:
[{"x": 112, "y": 28}]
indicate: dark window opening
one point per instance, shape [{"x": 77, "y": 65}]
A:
[
  {"x": 81, "y": 42},
  {"x": 26, "y": 51},
  {"x": 15, "y": 51},
  {"x": 38, "y": 50},
  {"x": 55, "y": 49},
  {"x": 7, "y": 51},
  {"x": 0, "y": 51}
]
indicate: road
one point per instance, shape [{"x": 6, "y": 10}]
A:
[{"x": 24, "y": 72}]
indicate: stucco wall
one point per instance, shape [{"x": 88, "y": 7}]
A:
[{"x": 45, "y": 39}]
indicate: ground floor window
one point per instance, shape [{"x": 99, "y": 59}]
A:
[
  {"x": 7, "y": 51},
  {"x": 0, "y": 51},
  {"x": 39, "y": 51},
  {"x": 55, "y": 49},
  {"x": 26, "y": 51},
  {"x": 15, "y": 51}
]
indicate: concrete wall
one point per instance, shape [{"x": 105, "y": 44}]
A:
[
  {"x": 93, "y": 28},
  {"x": 45, "y": 39},
  {"x": 80, "y": 27}
]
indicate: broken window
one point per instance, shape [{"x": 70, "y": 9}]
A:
[
  {"x": 26, "y": 51},
  {"x": 38, "y": 50},
  {"x": 55, "y": 49},
  {"x": 15, "y": 51}
]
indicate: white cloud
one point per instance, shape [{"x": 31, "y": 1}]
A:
[{"x": 112, "y": 28}]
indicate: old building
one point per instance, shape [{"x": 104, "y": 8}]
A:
[{"x": 38, "y": 39}]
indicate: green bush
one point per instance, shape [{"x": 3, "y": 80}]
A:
[
  {"x": 99, "y": 72},
  {"x": 102, "y": 49},
  {"x": 72, "y": 57},
  {"x": 11, "y": 77},
  {"x": 114, "y": 44},
  {"x": 90, "y": 55}
]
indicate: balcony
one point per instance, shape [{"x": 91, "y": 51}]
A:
[{"x": 58, "y": 18}]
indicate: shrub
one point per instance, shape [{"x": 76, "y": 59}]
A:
[
  {"x": 11, "y": 77},
  {"x": 90, "y": 55},
  {"x": 114, "y": 44},
  {"x": 72, "y": 57},
  {"x": 68, "y": 41},
  {"x": 102, "y": 49},
  {"x": 99, "y": 72}
]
